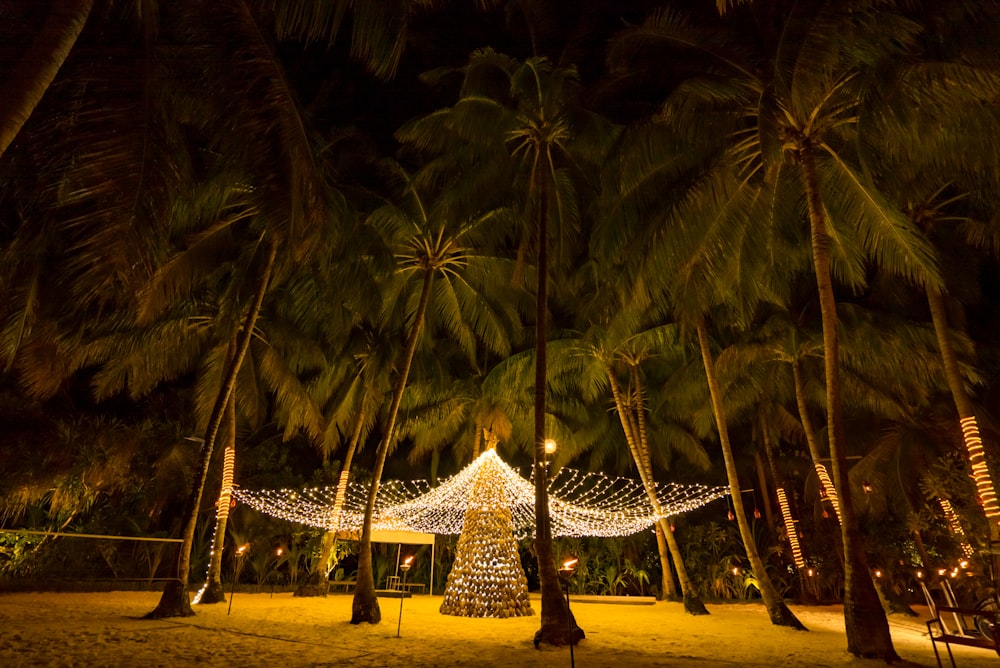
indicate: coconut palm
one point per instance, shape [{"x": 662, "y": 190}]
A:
[
  {"x": 291, "y": 204},
  {"x": 796, "y": 95},
  {"x": 622, "y": 354},
  {"x": 520, "y": 123},
  {"x": 27, "y": 82},
  {"x": 934, "y": 151},
  {"x": 447, "y": 260},
  {"x": 350, "y": 389},
  {"x": 702, "y": 256}
]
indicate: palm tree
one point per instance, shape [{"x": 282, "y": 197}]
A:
[
  {"x": 777, "y": 610},
  {"x": 350, "y": 388},
  {"x": 703, "y": 254},
  {"x": 621, "y": 351},
  {"x": 29, "y": 80},
  {"x": 520, "y": 123},
  {"x": 932, "y": 156},
  {"x": 796, "y": 115},
  {"x": 444, "y": 255}
]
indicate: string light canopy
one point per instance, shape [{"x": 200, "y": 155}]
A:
[{"x": 580, "y": 503}]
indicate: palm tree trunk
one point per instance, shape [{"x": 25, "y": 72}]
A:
[
  {"x": 213, "y": 591},
  {"x": 319, "y": 579},
  {"x": 693, "y": 605},
  {"x": 175, "y": 601},
  {"x": 668, "y": 590},
  {"x": 631, "y": 438},
  {"x": 807, "y": 427},
  {"x": 805, "y": 581},
  {"x": 477, "y": 438},
  {"x": 692, "y": 602},
  {"x": 558, "y": 627},
  {"x": 776, "y": 609},
  {"x": 765, "y": 491},
  {"x": 865, "y": 620},
  {"x": 981, "y": 474},
  {"x": 365, "y": 605},
  {"x": 24, "y": 88}
]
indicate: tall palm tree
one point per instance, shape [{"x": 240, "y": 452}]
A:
[
  {"x": 933, "y": 148},
  {"x": 351, "y": 388},
  {"x": 778, "y": 611},
  {"x": 521, "y": 123},
  {"x": 794, "y": 96},
  {"x": 702, "y": 254},
  {"x": 446, "y": 256}
]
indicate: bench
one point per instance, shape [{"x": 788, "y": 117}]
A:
[
  {"x": 940, "y": 632},
  {"x": 346, "y": 584},
  {"x": 410, "y": 586}
]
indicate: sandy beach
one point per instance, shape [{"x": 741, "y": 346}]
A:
[{"x": 108, "y": 629}]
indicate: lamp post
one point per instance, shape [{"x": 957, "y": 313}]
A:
[
  {"x": 405, "y": 567},
  {"x": 566, "y": 572},
  {"x": 241, "y": 552},
  {"x": 550, "y": 449}
]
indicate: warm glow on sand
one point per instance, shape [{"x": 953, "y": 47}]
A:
[{"x": 104, "y": 629}]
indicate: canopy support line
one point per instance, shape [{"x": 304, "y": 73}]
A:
[{"x": 61, "y": 534}]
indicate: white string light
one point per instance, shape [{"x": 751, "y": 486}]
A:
[
  {"x": 221, "y": 511},
  {"x": 581, "y": 504},
  {"x": 955, "y": 526}
]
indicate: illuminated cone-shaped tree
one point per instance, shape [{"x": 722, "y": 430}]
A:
[{"x": 486, "y": 579}]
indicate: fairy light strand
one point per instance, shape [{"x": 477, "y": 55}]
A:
[
  {"x": 955, "y": 526},
  {"x": 581, "y": 504},
  {"x": 222, "y": 509},
  {"x": 980, "y": 469},
  {"x": 793, "y": 536}
]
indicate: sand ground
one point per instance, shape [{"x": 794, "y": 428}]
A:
[{"x": 107, "y": 629}]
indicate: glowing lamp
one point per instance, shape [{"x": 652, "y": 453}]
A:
[{"x": 550, "y": 446}]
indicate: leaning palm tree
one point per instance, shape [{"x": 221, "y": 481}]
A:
[
  {"x": 117, "y": 189},
  {"x": 791, "y": 101},
  {"x": 934, "y": 156},
  {"x": 350, "y": 388},
  {"x": 622, "y": 351},
  {"x": 446, "y": 257},
  {"x": 702, "y": 255},
  {"x": 28, "y": 81}
]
